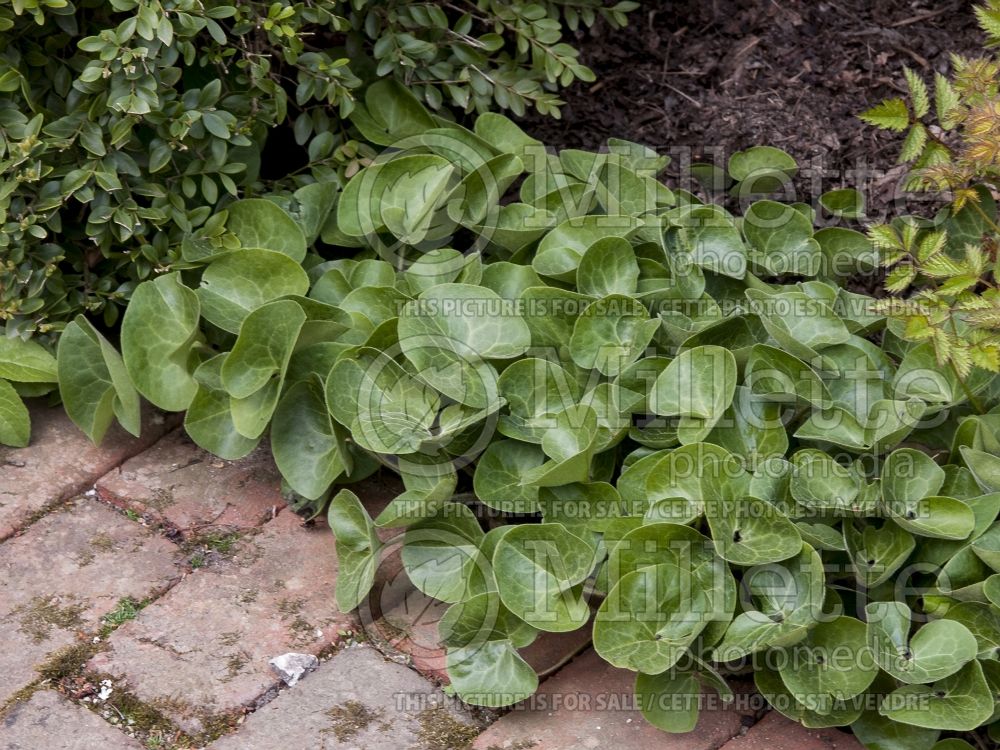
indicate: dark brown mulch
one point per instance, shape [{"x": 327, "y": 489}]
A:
[{"x": 721, "y": 75}]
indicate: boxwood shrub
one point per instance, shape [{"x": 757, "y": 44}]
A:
[{"x": 125, "y": 124}]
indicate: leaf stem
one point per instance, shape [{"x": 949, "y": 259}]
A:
[{"x": 965, "y": 388}]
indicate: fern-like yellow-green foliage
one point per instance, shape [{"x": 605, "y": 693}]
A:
[{"x": 946, "y": 287}]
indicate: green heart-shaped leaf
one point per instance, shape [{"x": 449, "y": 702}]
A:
[
  {"x": 569, "y": 444},
  {"x": 237, "y": 283},
  {"x": 497, "y": 481},
  {"x": 776, "y": 375},
  {"x": 713, "y": 242},
  {"x": 386, "y": 409},
  {"x": 260, "y": 223},
  {"x": 670, "y": 701},
  {"x": 491, "y": 674},
  {"x": 15, "y": 422},
  {"x": 838, "y": 712},
  {"x": 559, "y": 253},
  {"x": 959, "y": 703},
  {"x": 93, "y": 382},
  {"x": 209, "y": 418},
  {"x": 158, "y": 330},
  {"x": 781, "y": 239},
  {"x": 652, "y": 615},
  {"x": 698, "y": 386},
  {"x": 938, "y": 649},
  {"x": 440, "y": 553},
  {"x": 307, "y": 449},
  {"x": 357, "y": 549},
  {"x": 749, "y": 531},
  {"x": 877, "y": 552},
  {"x": 877, "y": 731},
  {"x": 539, "y": 569},
  {"x": 845, "y": 202},
  {"x": 611, "y": 334},
  {"x": 786, "y": 600},
  {"x": 833, "y": 663}
]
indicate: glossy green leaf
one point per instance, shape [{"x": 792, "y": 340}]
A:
[
  {"x": 748, "y": 531},
  {"x": 781, "y": 239},
  {"x": 763, "y": 168},
  {"x": 238, "y": 283},
  {"x": 877, "y": 552},
  {"x": 539, "y": 569},
  {"x": 670, "y": 700},
  {"x": 786, "y": 599},
  {"x": 26, "y": 361},
  {"x": 802, "y": 707},
  {"x": 260, "y": 223},
  {"x": 877, "y": 731},
  {"x": 440, "y": 553},
  {"x": 713, "y": 242},
  {"x": 653, "y": 614},
  {"x": 569, "y": 446},
  {"x": 158, "y": 330},
  {"x": 698, "y": 386},
  {"x": 608, "y": 267},
  {"x": 449, "y": 332},
  {"x": 15, "y": 422},
  {"x": 846, "y": 202},
  {"x": 937, "y": 649},
  {"x": 833, "y": 663},
  {"x": 499, "y": 471},
  {"x": 93, "y": 382},
  {"x": 960, "y": 702},
  {"x": 357, "y": 549},
  {"x": 209, "y": 418},
  {"x": 611, "y": 334},
  {"x": 386, "y": 409},
  {"x": 559, "y": 253},
  {"x": 307, "y": 449},
  {"x": 491, "y": 674}
]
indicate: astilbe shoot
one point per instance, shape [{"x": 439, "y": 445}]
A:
[{"x": 945, "y": 269}]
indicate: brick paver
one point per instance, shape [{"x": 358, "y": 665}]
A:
[
  {"x": 49, "y": 722},
  {"x": 61, "y": 576},
  {"x": 61, "y": 462},
  {"x": 203, "y": 649},
  {"x": 587, "y": 706},
  {"x": 178, "y": 484},
  {"x": 355, "y": 700},
  {"x": 775, "y": 732}
]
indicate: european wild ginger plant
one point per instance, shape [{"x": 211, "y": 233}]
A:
[
  {"x": 946, "y": 267},
  {"x": 611, "y": 406}
]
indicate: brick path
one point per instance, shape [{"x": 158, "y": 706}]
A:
[{"x": 145, "y": 585}]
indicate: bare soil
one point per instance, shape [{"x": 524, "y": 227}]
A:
[{"x": 704, "y": 78}]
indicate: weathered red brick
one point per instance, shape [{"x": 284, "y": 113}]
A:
[
  {"x": 775, "y": 732},
  {"x": 62, "y": 462},
  {"x": 64, "y": 573},
  {"x": 393, "y": 708},
  {"x": 204, "y": 647},
  {"x": 588, "y": 705},
  {"x": 47, "y": 721},
  {"x": 178, "y": 484}
]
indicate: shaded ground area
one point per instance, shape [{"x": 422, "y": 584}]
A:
[{"x": 721, "y": 75}]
